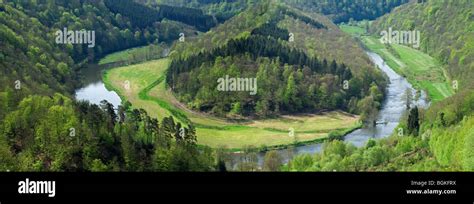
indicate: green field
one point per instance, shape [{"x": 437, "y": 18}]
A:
[
  {"x": 421, "y": 70},
  {"x": 143, "y": 53},
  {"x": 147, "y": 90},
  {"x": 353, "y": 30}
]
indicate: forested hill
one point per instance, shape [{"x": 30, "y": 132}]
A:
[
  {"x": 336, "y": 10},
  {"x": 117, "y": 26},
  {"x": 343, "y": 11},
  {"x": 143, "y": 16},
  {"x": 222, "y": 10},
  {"x": 314, "y": 34},
  {"x": 43, "y": 129},
  {"x": 272, "y": 43},
  {"x": 30, "y": 59},
  {"x": 52, "y": 64},
  {"x": 447, "y": 32}
]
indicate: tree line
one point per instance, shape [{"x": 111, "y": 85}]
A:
[
  {"x": 58, "y": 134},
  {"x": 344, "y": 11},
  {"x": 144, "y": 16},
  {"x": 257, "y": 46}
]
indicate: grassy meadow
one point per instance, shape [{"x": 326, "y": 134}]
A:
[{"x": 421, "y": 70}]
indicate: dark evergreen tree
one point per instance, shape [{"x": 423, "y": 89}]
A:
[{"x": 414, "y": 121}]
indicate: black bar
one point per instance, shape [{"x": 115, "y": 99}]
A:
[{"x": 353, "y": 186}]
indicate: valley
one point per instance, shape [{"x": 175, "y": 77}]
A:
[
  {"x": 157, "y": 89},
  {"x": 147, "y": 89}
]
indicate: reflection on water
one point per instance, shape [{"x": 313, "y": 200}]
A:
[{"x": 94, "y": 90}]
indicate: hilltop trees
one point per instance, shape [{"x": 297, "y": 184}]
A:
[
  {"x": 143, "y": 16},
  {"x": 57, "y": 134},
  {"x": 344, "y": 11},
  {"x": 118, "y": 25},
  {"x": 222, "y": 10},
  {"x": 290, "y": 79},
  {"x": 287, "y": 79}
]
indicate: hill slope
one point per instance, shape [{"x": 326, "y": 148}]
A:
[
  {"x": 447, "y": 32},
  {"x": 43, "y": 129},
  {"x": 344, "y": 11}
]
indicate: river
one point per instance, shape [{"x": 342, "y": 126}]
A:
[
  {"x": 94, "y": 89},
  {"x": 393, "y": 108}
]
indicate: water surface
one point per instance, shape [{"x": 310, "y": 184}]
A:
[{"x": 94, "y": 89}]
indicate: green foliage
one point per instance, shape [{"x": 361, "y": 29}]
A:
[
  {"x": 293, "y": 79},
  {"x": 413, "y": 121},
  {"x": 57, "y": 134},
  {"x": 221, "y": 9},
  {"x": 391, "y": 154},
  {"x": 445, "y": 144},
  {"x": 450, "y": 43},
  {"x": 7, "y": 159},
  {"x": 453, "y": 146},
  {"x": 143, "y": 16},
  {"x": 344, "y": 11},
  {"x": 114, "y": 31}
]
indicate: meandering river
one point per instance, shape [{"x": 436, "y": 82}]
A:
[{"x": 388, "y": 118}]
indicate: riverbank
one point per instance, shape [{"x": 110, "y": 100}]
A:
[{"x": 421, "y": 70}]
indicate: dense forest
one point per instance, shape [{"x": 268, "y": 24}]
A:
[
  {"x": 344, "y": 11},
  {"x": 57, "y": 134},
  {"x": 289, "y": 80},
  {"x": 114, "y": 31},
  {"x": 143, "y": 16},
  {"x": 222, "y": 10}
]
